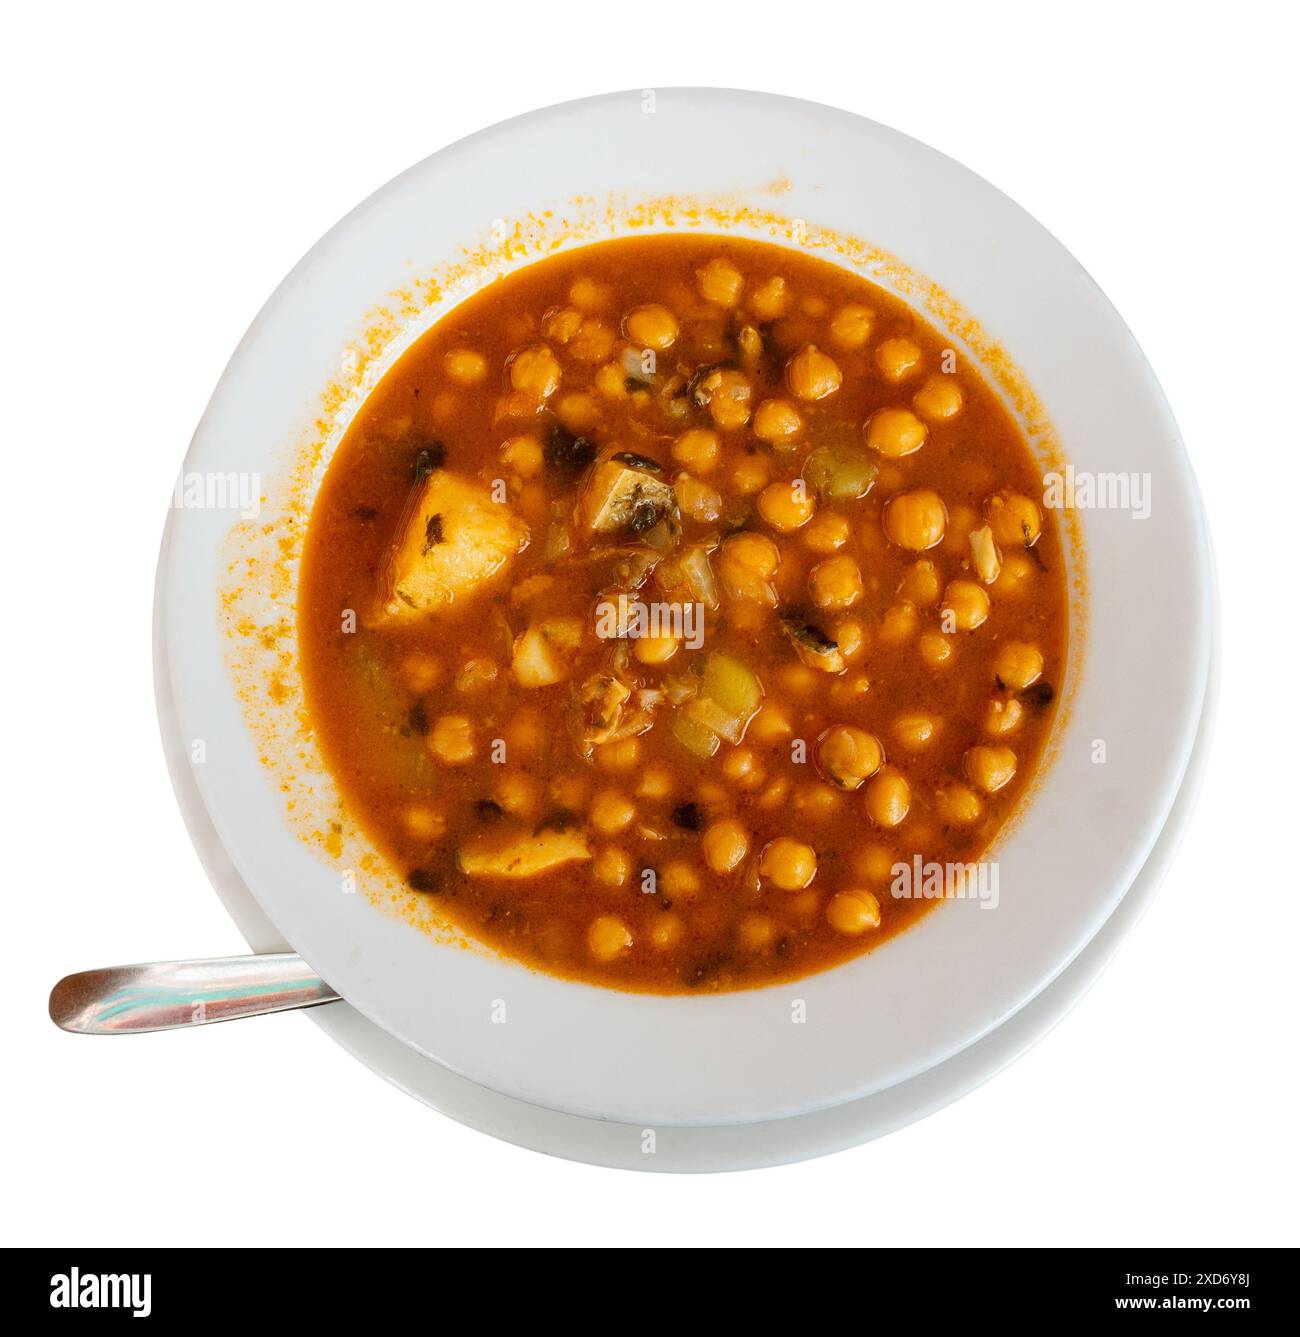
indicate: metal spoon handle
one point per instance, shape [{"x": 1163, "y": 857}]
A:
[{"x": 167, "y": 995}]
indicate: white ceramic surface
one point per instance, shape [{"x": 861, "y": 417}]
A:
[
  {"x": 722, "y": 1147},
  {"x": 935, "y": 990}
]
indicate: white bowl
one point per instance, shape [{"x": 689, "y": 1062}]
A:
[{"x": 801, "y": 175}]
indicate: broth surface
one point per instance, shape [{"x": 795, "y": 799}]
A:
[{"x": 845, "y": 613}]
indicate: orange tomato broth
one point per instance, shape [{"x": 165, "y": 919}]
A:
[{"x": 685, "y": 867}]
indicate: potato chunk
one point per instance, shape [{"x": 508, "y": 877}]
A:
[
  {"x": 522, "y": 853},
  {"x": 454, "y": 542},
  {"x": 541, "y": 655}
]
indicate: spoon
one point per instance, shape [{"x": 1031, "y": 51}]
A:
[{"x": 170, "y": 995}]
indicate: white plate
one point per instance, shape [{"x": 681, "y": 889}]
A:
[
  {"x": 718, "y": 1148},
  {"x": 925, "y": 995}
]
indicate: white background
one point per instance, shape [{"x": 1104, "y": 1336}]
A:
[{"x": 164, "y": 166}]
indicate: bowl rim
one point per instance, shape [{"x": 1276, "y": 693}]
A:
[{"x": 718, "y": 1059}]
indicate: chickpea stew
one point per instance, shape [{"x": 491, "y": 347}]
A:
[{"x": 668, "y": 594}]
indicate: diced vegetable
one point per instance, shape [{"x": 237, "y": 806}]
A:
[
  {"x": 621, "y": 497},
  {"x": 454, "y": 541},
  {"x": 567, "y": 455},
  {"x": 521, "y": 853},
  {"x": 541, "y": 654},
  {"x": 729, "y": 696},
  {"x": 689, "y": 576},
  {"x": 602, "y": 698},
  {"x": 694, "y": 735},
  {"x": 732, "y": 685},
  {"x": 984, "y": 554},
  {"x": 841, "y": 472},
  {"x": 813, "y": 646}
]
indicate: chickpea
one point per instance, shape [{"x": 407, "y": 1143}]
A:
[
  {"x": 965, "y": 605},
  {"x": 774, "y": 795},
  {"x": 608, "y": 938},
  {"x": 611, "y": 812},
  {"x": 848, "y": 757},
  {"x": 652, "y": 326},
  {"x": 578, "y": 412},
  {"x": 535, "y": 372},
  {"x": 589, "y": 295},
  {"x": 916, "y": 519},
  {"x": 939, "y": 398},
  {"x": 777, "y": 421},
  {"x": 656, "y": 783},
  {"x": 935, "y": 648},
  {"x": 475, "y": 674},
  {"x": 770, "y": 300},
  {"x": 920, "y": 584},
  {"x": 817, "y": 802},
  {"x": 812, "y": 375},
  {"x": 851, "y": 636},
  {"x": 786, "y": 506},
  {"x": 1015, "y": 519},
  {"x": 875, "y": 863},
  {"x": 1018, "y": 665},
  {"x": 742, "y": 767},
  {"x": 612, "y": 867},
  {"x": 915, "y": 730},
  {"x": 420, "y": 672},
  {"x": 698, "y": 501},
  {"x": 846, "y": 691},
  {"x": 720, "y": 282},
  {"x": 888, "y": 797},
  {"x": 523, "y": 454},
  {"x": 897, "y": 357},
  {"x": 517, "y": 794},
  {"x": 452, "y": 739},
  {"x": 757, "y": 932},
  {"x": 1002, "y": 716},
  {"x": 750, "y": 475},
  {"x": 894, "y": 433},
  {"x": 561, "y": 325},
  {"x": 611, "y": 381},
  {"x": 958, "y": 804},
  {"x": 666, "y": 931},
  {"x": 826, "y": 532},
  {"x": 898, "y": 623},
  {"x": 746, "y": 565},
  {"x": 594, "y": 341},
  {"x": 680, "y": 879},
  {"x": 621, "y": 754},
  {"x": 724, "y": 845},
  {"x": 853, "y": 912},
  {"x": 1017, "y": 572},
  {"x": 788, "y": 864},
  {"x": 729, "y": 393},
  {"x": 465, "y": 366},
  {"x": 770, "y": 725},
  {"x": 990, "y": 768},
  {"x": 851, "y": 327},
  {"x": 835, "y": 583},
  {"x": 446, "y": 407},
  {"x": 424, "y": 823},
  {"x": 697, "y": 449},
  {"x": 655, "y": 649}
]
